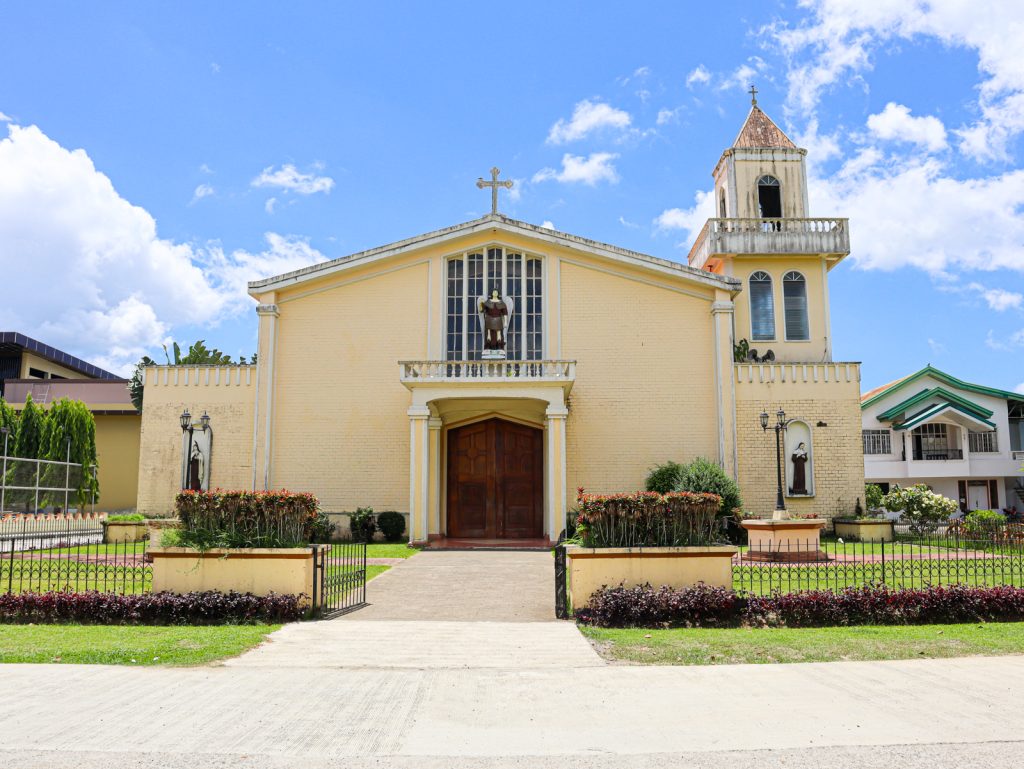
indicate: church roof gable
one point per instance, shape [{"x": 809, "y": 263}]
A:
[
  {"x": 760, "y": 131},
  {"x": 493, "y": 222}
]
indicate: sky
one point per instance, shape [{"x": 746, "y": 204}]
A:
[{"x": 154, "y": 157}]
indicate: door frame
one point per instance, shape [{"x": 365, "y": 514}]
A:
[{"x": 444, "y": 468}]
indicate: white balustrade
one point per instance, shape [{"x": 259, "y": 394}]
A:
[{"x": 424, "y": 371}]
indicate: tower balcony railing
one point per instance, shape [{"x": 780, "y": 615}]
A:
[
  {"x": 803, "y": 236},
  {"x": 427, "y": 372}
]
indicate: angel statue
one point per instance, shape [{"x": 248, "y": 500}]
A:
[{"x": 495, "y": 314}]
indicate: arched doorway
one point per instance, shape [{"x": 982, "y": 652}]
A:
[{"x": 495, "y": 481}]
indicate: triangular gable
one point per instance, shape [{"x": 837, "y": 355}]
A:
[
  {"x": 760, "y": 132},
  {"x": 490, "y": 224},
  {"x": 876, "y": 395},
  {"x": 929, "y": 414},
  {"x": 934, "y": 392}
]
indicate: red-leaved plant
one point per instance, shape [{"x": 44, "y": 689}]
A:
[
  {"x": 246, "y": 518},
  {"x": 647, "y": 519}
]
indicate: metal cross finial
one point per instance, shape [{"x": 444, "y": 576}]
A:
[
  {"x": 753, "y": 95},
  {"x": 494, "y": 184}
]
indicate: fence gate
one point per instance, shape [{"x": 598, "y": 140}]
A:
[{"x": 339, "y": 578}]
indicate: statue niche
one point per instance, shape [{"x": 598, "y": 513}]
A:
[
  {"x": 495, "y": 315},
  {"x": 799, "y": 456},
  {"x": 195, "y": 459}
]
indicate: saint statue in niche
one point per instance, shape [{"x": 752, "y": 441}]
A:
[
  {"x": 495, "y": 314},
  {"x": 799, "y": 460},
  {"x": 196, "y": 468},
  {"x": 195, "y": 459}
]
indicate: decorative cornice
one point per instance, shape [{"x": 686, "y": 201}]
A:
[
  {"x": 267, "y": 309},
  {"x": 727, "y": 307}
]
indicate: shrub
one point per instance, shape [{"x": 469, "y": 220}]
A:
[
  {"x": 873, "y": 496},
  {"x": 984, "y": 523},
  {"x": 362, "y": 524},
  {"x": 703, "y": 606},
  {"x": 923, "y": 508},
  {"x": 246, "y": 518},
  {"x": 391, "y": 525},
  {"x": 704, "y": 476},
  {"x": 126, "y": 518},
  {"x": 321, "y": 528},
  {"x": 92, "y": 608},
  {"x": 698, "y": 606},
  {"x": 664, "y": 478},
  {"x": 646, "y": 519}
]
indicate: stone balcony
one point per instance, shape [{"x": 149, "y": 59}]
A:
[
  {"x": 418, "y": 373},
  {"x": 803, "y": 237}
]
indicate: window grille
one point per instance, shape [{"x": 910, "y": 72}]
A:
[
  {"x": 982, "y": 443},
  {"x": 877, "y": 441}
]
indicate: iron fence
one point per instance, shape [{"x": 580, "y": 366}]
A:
[
  {"x": 949, "y": 555},
  {"x": 67, "y": 553},
  {"x": 339, "y": 578}
]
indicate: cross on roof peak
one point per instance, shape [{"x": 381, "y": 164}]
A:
[
  {"x": 753, "y": 94},
  {"x": 494, "y": 184}
]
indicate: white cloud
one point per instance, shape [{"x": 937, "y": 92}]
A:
[
  {"x": 698, "y": 76},
  {"x": 839, "y": 39},
  {"x": 628, "y": 224},
  {"x": 691, "y": 219},
  {"x": 203, "y": 191},
  {"x": 5, "y": 118},
  {"x": 205, "y": 169},
  {"x": 588, "y": 117},
  {"x": 641, "y": 72},
  {"x": 744, "y": 75},
  {"x": 895, "y": 123},
  {"x": 290, "y": 179},
  {"x": 1019, "y": 388},
  {"x": 547, "y": 224},
  {"x": 666, "y": 116},
  {"x": 937, "y": 348},
  {"x": 1013, "y": 341},
  {"x": 597, "y": 167},
  {"x": 120, "y": 288},
  {"x": 268, "y": 206},
  {"x": 998, "y": 299}
]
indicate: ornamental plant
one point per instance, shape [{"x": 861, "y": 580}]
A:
[
  {"x": 246, "y": 518},
  {"x": 362, "y": 524},
  {"x": 647, "y": 519},
  {"x": 873, "y": 496},
  {"x": 921, "y": 507},
  {"x": 984, "y": 523}
]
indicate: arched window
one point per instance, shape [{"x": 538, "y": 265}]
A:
[
  {"x": 473, "y": 275},
  {"x": 794, "y": 297},
  {"x": 769, "y": 197},
  {"x": 762, "y": 307},
  {"x": 721, "y": 205}
]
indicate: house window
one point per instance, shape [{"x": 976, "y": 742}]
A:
[
  {"x": 931, "y": 441},
  {"x": 877, "y": 441},
  {"x": 982, "y": 443},
  {"x": 769, "y": 197},
  {"x": 794, "y": 297},
  {"x": 762, "y": 307},
  {"x": 473, "y": 276}
]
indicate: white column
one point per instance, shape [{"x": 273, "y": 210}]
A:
[
  {"x": 725, "y": 382},
  {"x": 268, "y": 314},
  {"x": 434, "y": 484},
  {"x": 419, "y": 452},
  {"x": 554, "y": 474}
]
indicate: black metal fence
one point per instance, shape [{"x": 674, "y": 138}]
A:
[
  {"x": 339, "y": 578},
  {"x": 949, "y": 556},
  {"x": 44, "y": 553}
]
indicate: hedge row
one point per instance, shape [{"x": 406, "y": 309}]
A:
[
  {"x": 223, "y": 518},
  {"x": 706, "y": 606},
  {"x": 93, "y": 608}
]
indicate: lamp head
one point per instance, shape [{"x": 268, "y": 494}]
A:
[
  {"x": 764, "y": 420},
  {"x": 781, "y": 415},
  {"x": 204, "y": 421},
  {"x": 186, "y": 420}
]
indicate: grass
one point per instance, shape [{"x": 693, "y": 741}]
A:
[
  {"x": 127, "y": 645},
  {"x": 41, "y": 576},
  {"x": 713, "y": 646},
  {"x": 390, "y": 550}
]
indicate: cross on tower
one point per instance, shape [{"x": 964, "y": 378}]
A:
[
  {"x": 753, "y": 95},
  {"x": 494, "y": 184}
]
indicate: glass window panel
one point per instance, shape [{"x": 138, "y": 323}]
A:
[
  {"x": 794, "y": 292},
  {"x": 762, "y": 308}
]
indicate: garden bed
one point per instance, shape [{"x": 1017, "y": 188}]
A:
[
  {"x": 864, "y": 529},
  {"x": 260, "y": 571}
]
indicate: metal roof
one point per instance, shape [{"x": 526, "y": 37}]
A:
[{"x": 11, "y": 342}]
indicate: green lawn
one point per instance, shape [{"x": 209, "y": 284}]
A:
[
  {"x": 25, "y": 575},
  {"x": 375, "y": 571},
  {"x": 712, "y": 646},
  {"x": 127, "y": 645},
  {"x": 390, "y": 550}
]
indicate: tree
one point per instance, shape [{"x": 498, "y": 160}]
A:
[
  {"x": 923, "y": 508},
  {"x": 69, "y": 434},
  {"x": 8, "y": 419},
  {"x": 30, "y": 431},
  {"x": 704, "y": 475},
  {"x": 198, "y": 355}
]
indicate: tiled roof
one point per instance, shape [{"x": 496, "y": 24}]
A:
[{"x": 760, "y": 131}]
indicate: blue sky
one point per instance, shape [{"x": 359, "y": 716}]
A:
[{"x": 159, "y": 155}]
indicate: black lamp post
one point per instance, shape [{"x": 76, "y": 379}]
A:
[{"x": 781, "y": 423}]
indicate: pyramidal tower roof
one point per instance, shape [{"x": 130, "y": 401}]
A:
[{"x": 760, "y": 131}]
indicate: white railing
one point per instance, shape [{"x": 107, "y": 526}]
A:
[
  {"x": 819, "y": 224},
  {"x": 423, "y": 371},
  {"x": 769, "y": 373},
  {"x": 781, "y": 236}
]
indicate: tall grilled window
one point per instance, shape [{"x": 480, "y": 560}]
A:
[
  {"x": 982, "y": 443},
  {"x": 877, "y": 441},
  {"x": 474, "y": 275},
  {"x": 762, "y": 307},
  {"x": 794, "y": 297}
]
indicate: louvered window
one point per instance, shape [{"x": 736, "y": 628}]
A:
[
  {"x": 794, "y": 293},
  {"x": 762, "y": 308}
]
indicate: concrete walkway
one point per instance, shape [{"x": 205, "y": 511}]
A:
[
  {"x": 921, "y": 713},
  {"x": 442, "y": 610}
]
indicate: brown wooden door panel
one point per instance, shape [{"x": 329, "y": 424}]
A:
[{"x": 495, "y": 480}]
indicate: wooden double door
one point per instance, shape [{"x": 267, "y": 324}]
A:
[{"x": 496, "y": 481}]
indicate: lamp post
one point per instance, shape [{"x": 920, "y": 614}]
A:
[
  {"x": 781, "y": 423},
  {"x": 3, "y": 478},
  {"x": 187, "y": 427}
]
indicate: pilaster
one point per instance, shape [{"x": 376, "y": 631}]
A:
[
  {"x": 722, "y": 310},
  {"x": 554, "y": 429},
  {"x": 419, "y": 475}
]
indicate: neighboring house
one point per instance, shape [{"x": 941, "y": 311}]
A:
[
  {"x": 29, "y": 367},
  {"x": 374, "y": 386},
  {"x": 963, "y": 440}
]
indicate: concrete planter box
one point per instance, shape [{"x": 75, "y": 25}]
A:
[
  {"x": 590, "y": 569},
  {"x": 156, "y": 526},
  {"x": 864, "y": 531},
  {"x": 260, "y": 571},
  {"x": 123, "y": 531},
  {"x": 789, "y": 540}
]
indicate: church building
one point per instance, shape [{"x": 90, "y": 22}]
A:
[{"x": 473, "y": 377}]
